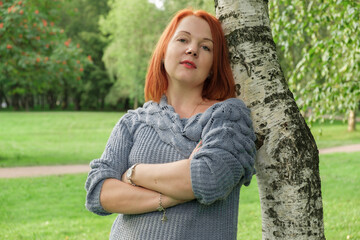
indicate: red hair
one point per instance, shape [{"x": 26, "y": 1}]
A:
[{"x": 219, "y": 86}]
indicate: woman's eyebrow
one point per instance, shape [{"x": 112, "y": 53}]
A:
[{"x": 188, "y": 33}]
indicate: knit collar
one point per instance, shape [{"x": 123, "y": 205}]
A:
[{"x": 182, "y": 133}]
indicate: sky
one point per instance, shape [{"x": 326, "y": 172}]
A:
[{"x": 158, "y": 3}]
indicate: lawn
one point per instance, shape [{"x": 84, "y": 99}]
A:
[
  {"x": 49, "y": 138},
  {"x": 334, "y": 134},
  {"x": 48, "y": 208},
  {"x": 53, "y": 207}
]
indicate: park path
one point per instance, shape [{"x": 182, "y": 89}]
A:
[{"x": 38, "y": 171}]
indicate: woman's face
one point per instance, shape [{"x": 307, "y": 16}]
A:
[{"x": 189, "y": 54}]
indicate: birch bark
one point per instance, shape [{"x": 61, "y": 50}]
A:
[{"x": 287, "y": 161}]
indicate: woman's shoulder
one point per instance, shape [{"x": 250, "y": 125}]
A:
[
  {"x": 232, "y": 108},
  {"x": 133, "y": 117},
  {"x": 148, "y": 112}
]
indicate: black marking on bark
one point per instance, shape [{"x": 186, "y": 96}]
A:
[
  {"x": 277, "y": 222},
  {"x": 259, "y": 140},
  {"x": 237, "y": 57},
  {"x": 270, "y": 197},
  {"x": 229, "y": 15},
  {"x": 216, "y": 3},
  {"x": 254, "y": 103},
  {"x": 274, "y": 185},
  {"x": 272, "y": 74},
  {"x": 255, "y": 34},
  {"x": 276, "y": 96},
  {"x": 237, "y": 89},
  {"x": 263, "y": 125},
  {"x": 278, "y": 234},
  {"x": 272, "y": 213}
]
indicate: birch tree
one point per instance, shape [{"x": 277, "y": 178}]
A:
[
  {"x": 319, "y": 43},
  {"x": 287, "y": 161}
]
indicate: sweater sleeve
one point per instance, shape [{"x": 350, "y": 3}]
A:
[
  {"x": 112, "y": 164},
  {"x": 227, "y": 155}
]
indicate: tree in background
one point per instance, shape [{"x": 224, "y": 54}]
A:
[
  {"x": 132, "y": 28},
  {"x": 37, "y": 59},
  {"x": 319, "y": 42},
  {"x": 80, "y": 19},
  {"x": 172, "y": 6}
]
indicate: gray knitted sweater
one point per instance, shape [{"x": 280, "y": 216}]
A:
[{"x": 156, "y": 134}]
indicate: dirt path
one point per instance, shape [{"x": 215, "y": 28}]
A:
[
  {"x": 38, "y": 171},
  {"x": 349, "y": 148}
]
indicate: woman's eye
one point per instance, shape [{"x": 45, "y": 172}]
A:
[
  {"x": 206, "y": 48},
  {"x": 182, "y": 40}
]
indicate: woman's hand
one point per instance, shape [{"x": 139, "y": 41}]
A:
[
  {"x": 196, "y": 149},
  {"x": 166, "y": 200},
  {"x": 124, "y": 178},
  {"x": 170, "y": 202}
]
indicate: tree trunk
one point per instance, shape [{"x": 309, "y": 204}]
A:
[
  {"x": 102, "y": 102},
  {"x": 51, "y": 99},
  {"x": 15, "y": 101},
  {"x": 65, "y": 102},
  {"x": 26, "y": 101},
  {"x": 287, "y": 161},
  {"x": 77, "y": 101},
  {"x": 4, "y": 98},
  {"x": 352, "y": 121},
  {"x": 136, "y": 102}
]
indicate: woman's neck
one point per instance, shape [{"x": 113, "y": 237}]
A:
[{"x": 185, "y": 103}]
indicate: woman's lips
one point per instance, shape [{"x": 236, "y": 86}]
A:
[{"x": 188, "y": 64}]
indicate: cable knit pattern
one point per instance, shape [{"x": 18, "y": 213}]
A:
[{"x": 156, "y": 134}]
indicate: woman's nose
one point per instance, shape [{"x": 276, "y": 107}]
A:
[{"x": 191, "y": 51}]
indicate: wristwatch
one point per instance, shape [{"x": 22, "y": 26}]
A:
[{"x": 130, "y": 172}]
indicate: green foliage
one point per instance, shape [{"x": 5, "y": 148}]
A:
[
  {"x": 173, "y": 6},
  {"x": 80, "y": 19},
  {"x": 132, "y": 28},
  {"x": 36, "y": 56},
  {"x": 319, "y": 43}
]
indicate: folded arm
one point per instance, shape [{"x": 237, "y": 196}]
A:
[
  {"x": 106, "y": 193},
  {"x": 171, "y": 179},
  {"x": 119, "y": 197}
]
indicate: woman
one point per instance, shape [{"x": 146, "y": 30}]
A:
[{"x": 174, "y": 167}]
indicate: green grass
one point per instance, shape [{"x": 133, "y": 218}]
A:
[
  {"x": 53, "y": 207},
  {"x": 335, "y": 134},
  {"x": 48, "y": 208},
  {"x": 49, "y": 138}
]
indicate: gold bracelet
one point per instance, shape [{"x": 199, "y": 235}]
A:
[{"x": 161, "y": 208}]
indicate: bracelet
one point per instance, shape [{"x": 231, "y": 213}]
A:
[{"x": 161, "y": 208}]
